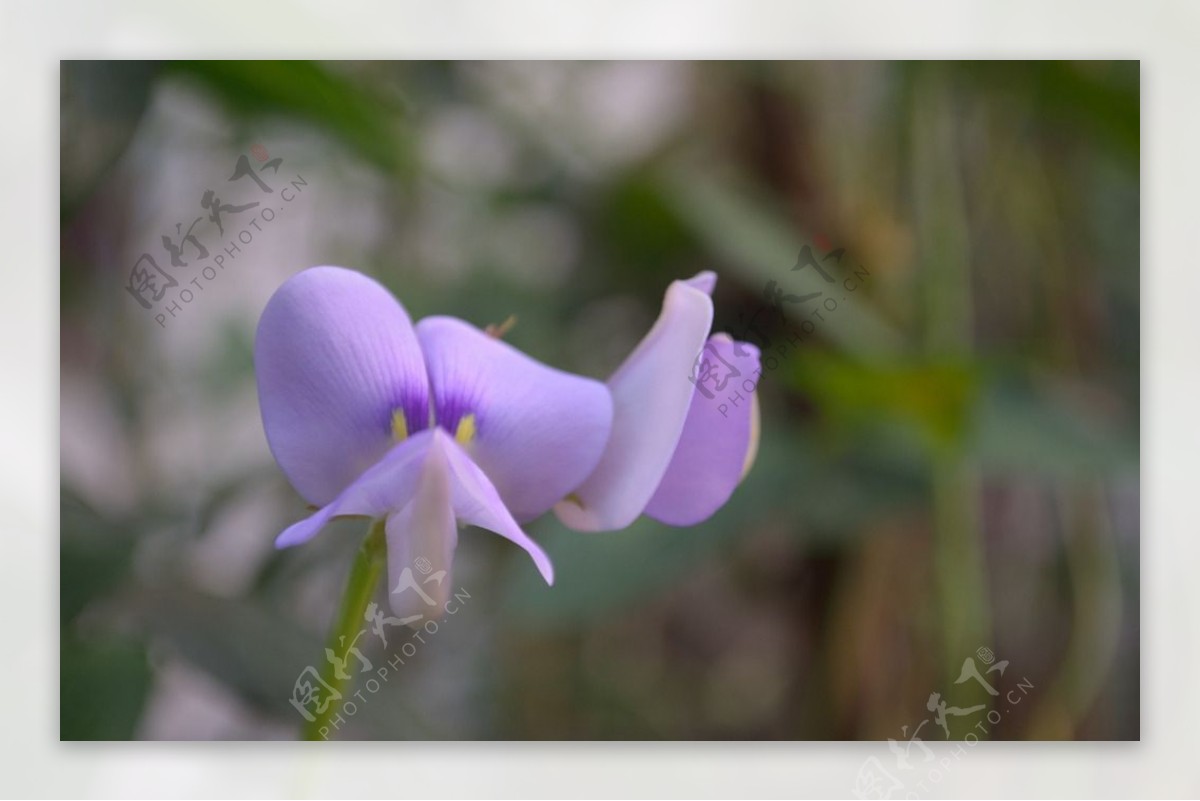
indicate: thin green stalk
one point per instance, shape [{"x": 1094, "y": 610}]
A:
[
  {"x": 948, "y": 305},
  {"x": 1093, "y": 565},
  {"x": 360, "y": 587}
]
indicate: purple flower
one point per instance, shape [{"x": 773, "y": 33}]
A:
[
  {"x": 677, "y": 450},
  {"x": 437, "y": 424}
]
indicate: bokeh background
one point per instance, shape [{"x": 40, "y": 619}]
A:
[{"x": 948, "y": 463}]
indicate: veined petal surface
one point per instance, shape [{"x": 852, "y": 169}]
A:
[
  {"x": 336, "y": 357},
  {"x": 537, "y": 432}
]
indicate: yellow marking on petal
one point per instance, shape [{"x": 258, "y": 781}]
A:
[
  {"x": 399, "y": 426},
  {"x": 752, "y": 447},
  {"x": 465, "y": 432}
]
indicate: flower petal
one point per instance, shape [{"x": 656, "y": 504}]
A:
[
  {"x": 715, "y": 447},
  {"x": 420, "y": 543},
  {"x": 651, "y": 398},
  {"x": 535, "y": 431},
  {"x": 705, "y": 281},
  {"x": 385, "y": 487},
  {"x": 335, "y": 356},
  {"x": 406, "y": 486},
  {"x": 477, "y": 502}
]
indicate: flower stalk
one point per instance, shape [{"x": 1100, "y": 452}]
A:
[{"x": 360, "y": 587}]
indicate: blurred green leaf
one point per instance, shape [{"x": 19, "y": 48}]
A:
[
  {"x": 257, "y": 653},
  {"x": 311, "y": 93},
  {"x": 795, "y": 485},
  {"x": 94, "y": 555},
  {"x": 243, "y": 645},
  {"x": 1037, "y": 433},
  {"x": 102, "y": 688},
  {"x": 107, "y": 99},
  {"x": 756, "y": 241},
  {"x": 1099, "y": 98},
  {"x": 1005, "y": 423},
  {"x": 641, "y": 232},
  {"x": 937, "y": 399}
]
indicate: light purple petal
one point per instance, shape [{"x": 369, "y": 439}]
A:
[
  {"x": 477, "y": 502},
  {"x": 704, "y": 281},
  {"x": 385, "y": 487},
  {"x": 421, "y": 539},
  {"x": 405, "y": 487},
  {"x": 651, "y": 397},
  {"x": 538, "y": 432},
  {"x": 715, "y": 447},
  {"x": 335, "y": 356}
]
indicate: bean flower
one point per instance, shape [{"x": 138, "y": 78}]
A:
[
  {"x": 437, "y": 424},
  {"x": 676, "y": 452}
]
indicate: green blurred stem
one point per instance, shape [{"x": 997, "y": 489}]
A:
[
  {"x": 360, "y": 587},
  {"x": 1094, "y": 568},
  {"x": 961, "y": 577},
  {"x": 946, "y": 295}
]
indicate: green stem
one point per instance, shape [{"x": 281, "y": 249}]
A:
[
  {"x": 1093, "y": 567},
  {"x": 944, "y": 232},
  {"x": 360, "y": 587}
]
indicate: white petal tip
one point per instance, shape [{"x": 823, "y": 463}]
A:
[{"x": 705, "y": 281}]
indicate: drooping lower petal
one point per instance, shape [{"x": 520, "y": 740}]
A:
[
  {"x": 407, "y": 487},
  {"x": 535, "y": 431},
  {"x": 336, "y": 359},
  {"x": 651, "y": 398},
  {"x": 385, "y": 487},
  {"x": 477, "y": 502},
  {"x": 421, "y": 539},
  {"x": 718, "y": 437}
]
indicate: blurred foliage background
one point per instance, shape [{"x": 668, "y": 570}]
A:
[{"x": 949, "y": 463}]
